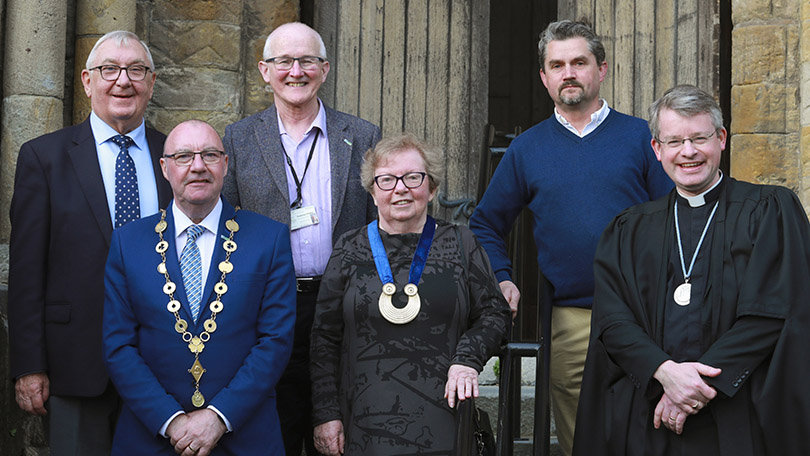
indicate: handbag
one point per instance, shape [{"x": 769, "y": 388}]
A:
[{"x": 474, "y": 435}]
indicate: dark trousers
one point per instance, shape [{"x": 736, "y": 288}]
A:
[
  {"x": 294, "y": 389},
  {"x": 82, "y": 425}
]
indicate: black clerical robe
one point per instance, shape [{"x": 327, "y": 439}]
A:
[{"x": 755, "y": 316}]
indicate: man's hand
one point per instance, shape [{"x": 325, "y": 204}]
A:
[
  {"x": 329, "y": 438},
  {"x": 32, "y": 391},
  {"x": 195, "y": 433},
  {"x": 669, "y": 415},
  {"x": 512, "y": 295},
  {"x": 684, "y": 386},
  {"x": 462, "y": 382}
]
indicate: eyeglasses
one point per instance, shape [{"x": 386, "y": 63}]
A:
[
  {"x": 677, "y": 144},
  {"x": 389, "y": 181},
  {"x": 306, "y": 62},
  {"x": 112, "y": 72},
  {"x": 186, "y": 157}
]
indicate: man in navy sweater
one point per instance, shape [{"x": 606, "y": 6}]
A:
[{"x": 574, "y": 171}]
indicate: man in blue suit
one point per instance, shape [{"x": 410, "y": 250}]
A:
[{"x": 199, "y": 314}]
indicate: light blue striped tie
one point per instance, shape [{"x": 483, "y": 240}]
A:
[{"x": 191, "y": 268}]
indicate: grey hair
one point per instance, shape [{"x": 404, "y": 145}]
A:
[
  {"x": 687, "y": 101},
  {"x": 268, "y": 52},
  {"x": 566, "y": 29},
  {"x": 120, "y": 38},
  {"x": 434, "y": 165}
]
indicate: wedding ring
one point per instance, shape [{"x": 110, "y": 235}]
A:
[
  {"x": 191, "y": 448},
  {"x": 697, "y": 404},
  {"x": 671, "y": 419}
]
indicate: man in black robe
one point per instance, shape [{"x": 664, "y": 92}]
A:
[{"x": 701, "y": 321}]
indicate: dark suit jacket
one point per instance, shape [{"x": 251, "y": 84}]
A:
[
  {"x": 257, "y": 179},
  {"x": 60, "y": 235},
  {"x": 244, "y": 358}
]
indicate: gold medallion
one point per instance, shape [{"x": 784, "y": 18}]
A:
[
  {"x": 220, "y": 288},
  {"x": 229, "y": 246},
  {"x": 392, "y": 313},
  {"x": 231, "y": 225},
  {"x": 161, "y": 226},
  {"x": 196, "y": 345},
  {"x": 210, "y": 325},
  {"x": 225, "y": 267},
  {"x": 173, "y": 306},
  {"x": 197, "y": 399},
  {"x": 216, "y": 306},
  {"x": 161, "y": 268},
  {"x": 161, "y": 247},
  {"x": 196, "y": 370},
  {"x": 169, "y": 288},
  {"x": 181, "y": 326}
]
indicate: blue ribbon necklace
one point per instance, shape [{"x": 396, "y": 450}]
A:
[{"x": 387, "y": 308}]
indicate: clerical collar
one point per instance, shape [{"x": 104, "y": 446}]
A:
[{"x": 710, "y": 195}]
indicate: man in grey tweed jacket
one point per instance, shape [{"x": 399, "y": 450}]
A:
[{"x": 298, "y": 162}]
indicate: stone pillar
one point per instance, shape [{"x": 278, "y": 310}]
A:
[
  {"x": 765, "y": 93},
  {"x": 94, "y": 18},
  {"x": 196, "y": 46},
  {"x": 33, "y": 84},
  {"x": 804, "y": 193}
]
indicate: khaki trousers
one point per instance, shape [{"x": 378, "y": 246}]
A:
[{"x": 570, "y": 331}]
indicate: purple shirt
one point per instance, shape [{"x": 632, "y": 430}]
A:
[{"x": 311, "y": 245}]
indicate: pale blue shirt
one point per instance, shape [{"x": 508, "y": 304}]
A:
[
  {"x": 107, "y": 152},
  {"x": 206, "y": 242},
  {"x": 311, "y": 245},
  {"x": 597, "y": 118}
]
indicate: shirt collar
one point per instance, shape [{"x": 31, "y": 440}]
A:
[
  {"x": 319, "y": 122},
  {"x": 705, "y": 197},
  {"x": 182, "y": 222},
  {"x": 597, "y": 117},
  {"x": 102, "y": 132}
]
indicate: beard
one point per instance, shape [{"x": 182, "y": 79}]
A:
[{"x": 574, "y": 99}]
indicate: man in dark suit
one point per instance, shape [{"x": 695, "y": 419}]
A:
[
  {"x": 196, "y": 346},
  {"x": 72, "y": 187},
  {"x": 298, "y": 162}
]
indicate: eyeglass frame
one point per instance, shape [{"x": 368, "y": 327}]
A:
[
  {"x": 219, "y": 155},
  {"x": 400, "y": 178},
  {"x": 294, "y": 59},
  {"x": 121, "y": 68},
  {"x": 701, "y": 140}
]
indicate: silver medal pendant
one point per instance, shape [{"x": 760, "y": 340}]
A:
[{"x": 683, "y": 294}]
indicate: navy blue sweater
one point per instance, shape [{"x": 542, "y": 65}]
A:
[{"x": 573, "y": 187}]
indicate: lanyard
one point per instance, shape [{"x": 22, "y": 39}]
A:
[
  {"x": 688, "y": 274},
  {"x": 298, "y": 183},
  {"x": 419, "y": 257}
]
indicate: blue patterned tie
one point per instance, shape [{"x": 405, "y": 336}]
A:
[
  {"x": 127, "y": 201},
  {"x": 191, "y": 268}
]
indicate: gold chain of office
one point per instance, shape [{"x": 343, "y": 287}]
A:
[{"x": 196, "y": 344}]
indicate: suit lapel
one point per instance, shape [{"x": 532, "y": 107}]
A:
[
  {"x": 156, "y": 151},
  {"x": 267, "y": 138},
  {"x": 84, "y": 157},
  {"x": 217, "y": 256},
  {"x": 173, "y": 266},
  {"x": 340, "y": 154}
]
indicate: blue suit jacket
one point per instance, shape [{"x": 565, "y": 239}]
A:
[{"x": 148, "y": 361}]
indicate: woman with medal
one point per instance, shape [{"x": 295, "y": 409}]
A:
[{"x": 408, "y": 313}]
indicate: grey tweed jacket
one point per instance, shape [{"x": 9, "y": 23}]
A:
[{"x": 257, "y": 179}]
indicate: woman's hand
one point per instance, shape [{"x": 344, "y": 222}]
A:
[
  {"x": 462, "y": 381},
  {"x": 329, "y": 438}
]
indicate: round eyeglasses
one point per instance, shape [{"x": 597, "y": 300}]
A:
[
  {"x": 112, "y": 72},
  {"x": 306, "y": 62},
  {"x": 389, "y": 181},
  {"x": 186, "y": 157}
]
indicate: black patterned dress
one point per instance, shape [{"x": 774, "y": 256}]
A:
[{"x": 386, "y": 381}]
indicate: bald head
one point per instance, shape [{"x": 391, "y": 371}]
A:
[
  {"x": 285, "y": 32},
  {"x": 196, "y": 183}
]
